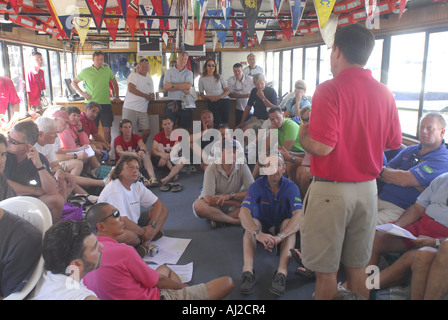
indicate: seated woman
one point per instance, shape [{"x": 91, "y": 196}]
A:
[
  {"x": 213, "y": 87},
  {"x": 299, "y": 101},
  {"x": 128, "y": 143},
  {"x": 74, "y": 140}
]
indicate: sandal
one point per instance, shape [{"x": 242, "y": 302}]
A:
[
  {"x": 166, "y": 187},
  {"x": 301, "y": 269},
  {"x": 152, "y": 182},
  {"x": 177, "y": 187}
]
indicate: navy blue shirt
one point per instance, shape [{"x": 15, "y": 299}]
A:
[
  {"x": 425, "y": 168},
  {"x": 269, "y": 208},
  {"x": 259, "y": 107},
  {"x": 25, "y": 172}
]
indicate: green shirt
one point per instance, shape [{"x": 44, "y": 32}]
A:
[
  {"x": 290, "y": 131},
  {"x": 97, "y": 83}
]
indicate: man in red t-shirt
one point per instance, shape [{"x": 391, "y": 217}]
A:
[
  {"x": 354, "y": 120},
  {"x": 8, "y": 95},
  {"x": 132, "y": 144},
  {"x": 161, "y": 148},
  {"x": 36, "y": 83}
]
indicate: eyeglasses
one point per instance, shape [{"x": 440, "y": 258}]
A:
[
  {"x": 115, "y": 214},
  {"x": 210, "y": 65},
  {"x": 14, "y": 142},
  {"x": 300, "y": 88},
  {"x": 144, "y": 60}
]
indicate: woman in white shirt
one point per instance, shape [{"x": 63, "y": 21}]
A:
[{"x": 213, "y": 87}]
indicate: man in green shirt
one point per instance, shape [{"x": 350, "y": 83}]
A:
[{"x": 96, "y": 79}]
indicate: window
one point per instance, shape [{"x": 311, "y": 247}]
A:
[
  {"x": 375, "y": 59},
  {"x": 325, "y": 67},
  {"x": 16, "y": 74},
  {"x": 286, "y": 72},
  {"x": 55, "y": 69},
  {"x": 276, "y": 65},
  {"x": 120, "y": 64},
  {"x": 297, "y": 65},
  {"x": 310, "y": 69},
  {"x": 269, "y": 63},
  {"x": 435, "y": 97},
  {"x": 45, "y": 68},
  {"x": 2, "y": 61},
  {"x": 405, "y": 77}
]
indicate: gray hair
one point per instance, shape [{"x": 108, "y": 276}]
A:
[
  {"x": 45, "y": 124},
  {"x": 29, "y": 129},
  {"x": 439, "y": 117},
  {"x": 258, "y": 77}
]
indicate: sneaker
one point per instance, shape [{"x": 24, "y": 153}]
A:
[
  {"x": 247, "y": 282},
  {"x": 278, "y": 284}
]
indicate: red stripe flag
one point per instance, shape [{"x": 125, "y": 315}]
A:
[
  {"x": 112, "y": 23},
  {"x": 97, "y": 8}
]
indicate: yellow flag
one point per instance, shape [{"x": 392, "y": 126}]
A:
[
  {"x": 323, "y": 10},
  {"x": 82, "y": 25}
]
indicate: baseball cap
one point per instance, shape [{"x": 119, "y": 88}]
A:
[{"x": 61, "y": 114}]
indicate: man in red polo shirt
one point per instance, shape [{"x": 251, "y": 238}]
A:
[
  {"x": 36, "y": 83},
  {"x": 8, "y": 95},
  {"x": 354, "y": 120}
]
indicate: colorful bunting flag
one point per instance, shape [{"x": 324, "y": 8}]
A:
[
  {"x": 323, "y": 10},
  {"x": 276, "y": 6},
  {"x": 239, "y": 24},
  {"x": 82, "y": 25},
  {"x": 194, "y": 35},
  {"x": 97, "y": 8},
  {"x": 62, "y": 17},
  {"x": 370, "y": 6},
  {"x": 220, "y": 24},
  {"x": 198, "y": 7},
  {"x": 225, "y": 5},
  {"x": 251, "y": 8},
  {"x": 262, "y": 24},
  {"x": 286, "y": 28},
  {"x": 131, "y": 15},
  {"x": 112, "y": 23},
  {"x": 402, "y": 6},
  {"x": 297, "y": 7}
]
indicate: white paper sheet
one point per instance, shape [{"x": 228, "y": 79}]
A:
[
  {"x": 395, "y": 230},
  {"x": 185, "y": 272},
  {"x": 89, "y": 152},
  {"x": 170, "y": 250}
]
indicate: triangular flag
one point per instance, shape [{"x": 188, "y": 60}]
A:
[
  {"x": 199, "y": 7},
  {"x": 123, "y": 5},
  {"x": 238, "y": 24},
  {"x": 193, "y": 34},
  {"x": 329, "y": 30},
  {"x": 370, "y": 6},
  {"x": 220, "y": 24},
  {"x": 323, "y": 11},
  {"x": 172, "y": 23},
  {"x": 297, "y": 7},
  {"x": 112, "y": 23},
  {"x": 162, "y": 8},
  {"x": 97, "y": 8},
  {"x": 131, "y": 16},
  {"x": 276, "y": 6},
  {"x": 215, "y": 40},
  {"x": 14, "y": 5},
  {"x": 225, "y": 5},
  {"x": 286, "y": 28},
  {"x": 262, "y": 24},
  {"x": 61, "y": 17},
  {"x": 402, "y": 6},
  {"x": 82, "y": 25},
  {"x": 251, "y": 8}
]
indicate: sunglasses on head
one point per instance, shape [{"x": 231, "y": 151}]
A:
[{"x": 114, "y": 214}]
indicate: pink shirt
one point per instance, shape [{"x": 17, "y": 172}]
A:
[
  {"x": 357, "y": 116},
  {"x": 36, "y": 84},
  {"x": 70, "y": 138},
  {"x": 8, "y": 94},
  {"x": 122, "y": 275}
]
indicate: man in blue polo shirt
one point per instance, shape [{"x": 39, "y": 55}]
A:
[
  {"x": 270, "y": 214},
  {"x": 413, "y": 169}
]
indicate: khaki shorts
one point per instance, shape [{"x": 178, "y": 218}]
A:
[
  {"x": 338, "y": 225},
  {"x": 388, "y": 212},
  {"x": 254, "y": 123},
  {"x": 140, "y": 120},
  {"x": 196, "y": 292}
]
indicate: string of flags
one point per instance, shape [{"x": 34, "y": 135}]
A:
[{"x": 68, "y": 18}]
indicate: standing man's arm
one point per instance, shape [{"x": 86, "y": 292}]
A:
[
  {"x": 116, "y": 91},
  {"x": 312, "y": 146},
  {"x": 75, "y": 85}
]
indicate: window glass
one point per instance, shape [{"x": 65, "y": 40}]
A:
[
  {"x": 405, "y": 77},
  {"x": 55, "y": 70},
  {"x": 297, "y": 70},
  {"x": 286, "y": 72},
  {"x": 16, "y": 74},
  {"x": 276, "y": 80},
  {"x": 269, "y": 70},
  {"x": 375, "y": 59},
  {"x": 325, "y": 67},
  {"x": 436, "y": 93},
  {"x": 120, "y": 64},
  {"x": 2, "y": 59},
  {"x": 310, "y": 69}
]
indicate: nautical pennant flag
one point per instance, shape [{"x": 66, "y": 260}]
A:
[
  {"x": 147, "y": 10},
  {"x": 220, "y": 24},
  {"x": 112, "y": 23},
  {"x": 199, "y": 7},
  {"x": 195, "y": 35},
  {"x": 262, "y": 24},
  {"x": 225, "y": 5},
  {"x": 61, "y": 16},
  {"x": 97, "y": 8},
  {"x": 82, "y": 25},
  {"x": 276, "y": 6},
  {"x": 323, "y": 10},
  {"x": 402, "y": 6},
  {"x": 297, "y": 7},
  {"x": 251, "y": 8},
  {"x": 162, "y": 8},
  {"x": 131, "y": 15},
  {"x": 286, "y": 28},
  {"x": 240, "y": 24},
  {"x": 370, "y": 6}
]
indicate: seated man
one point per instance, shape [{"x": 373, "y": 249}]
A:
[
  {"x": 19, "y": 252},
  {"x": 87, "y": 118},
  {"x": 45, "y": 145},
  {"x": 123, "y": 275},
  {"x": 272, "y": 206},
  {"x": 429, "y": 273},
  {"x": 5, "y": 189},
  {"x": 224, "y": 188},
  {"x": 28, "y": 171},
  {"x": 161, "y": 148},
  {"x": 427, "y": 220},
  {"x": 75, "y": 139},
  {"x": 413, "y": 169},
  {"x": 128, "y": 195},
  {"x": 70, "y": 251},
  {"x": 196, "y": 139}
]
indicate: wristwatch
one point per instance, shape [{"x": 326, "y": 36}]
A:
[
  {"x": 232, "y": 194},
  {"x": 437, "y": 245},
  {"x": 172, "y": 85},
  {"x": 256, "y": 232},
  {"x": 153, "y": 224},
  {"x": 43, "y": 167},
  {"x": 75, "y": 156},
  {"x": 293, "y": 158},
  {"x": 264, "y": 100}
]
